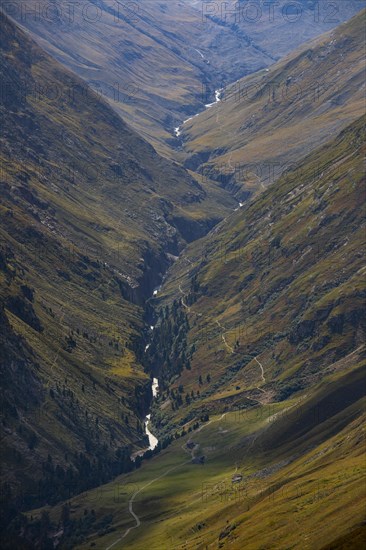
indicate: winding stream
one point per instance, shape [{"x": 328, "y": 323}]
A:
[
  {"x": 178, "y": 129},
  {"x": 153, "y": 441}
]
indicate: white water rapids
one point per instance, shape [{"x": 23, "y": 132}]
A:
[{"x": 153, "y": 441}]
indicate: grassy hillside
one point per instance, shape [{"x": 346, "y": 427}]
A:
[
  {"x": 304, "y": 492},
  {"x": 259, "y": 306},
  {"x": 270, "y": 297},
  {"x": 260, "y": 329},
  {"x": 267, "y": 122},
  {"x": 89, "y": 216},
  {"x": 159, "y": 62}
]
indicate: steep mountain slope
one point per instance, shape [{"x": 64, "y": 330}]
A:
[
  {"x": 260, "y": 307},
  {"x": 265, "y": 314},
  {"x": 158, "y": 62},
  {"x": 89, "y": 216},
  {"x": 268, "y": 121}
]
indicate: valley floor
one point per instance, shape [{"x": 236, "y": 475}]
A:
[{"x": 300, "y": 480}]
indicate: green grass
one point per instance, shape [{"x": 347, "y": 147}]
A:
[
  {"x": 262, "y": 302},
  {"x": 300, "y": 496}
]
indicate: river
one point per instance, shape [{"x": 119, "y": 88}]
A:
[
  {"x": 178, "y": 133},
  {"x": 178, "y": 129},
  {"x": 153, "y": 441}
]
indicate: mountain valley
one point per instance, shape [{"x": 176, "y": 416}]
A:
[
  {"x": 182, "y": 267},
  {"x": 194, "y": 47}
]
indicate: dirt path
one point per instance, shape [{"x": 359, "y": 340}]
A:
[
  {"x": 262, "y": 371},
  {"x": 132, "y": 499},
  {"x": 231, "y": 349},
  {"x": 183, "y": 302}
]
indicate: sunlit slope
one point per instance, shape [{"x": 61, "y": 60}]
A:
[
  {"x": 159, "y": 62},
  {"x": 274, "y": 294},
  {"x": 267, "y": 122},
  {"x": 301, "y": 465}
]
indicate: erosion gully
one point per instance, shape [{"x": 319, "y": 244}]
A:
[{"x": 150, "y": 314}]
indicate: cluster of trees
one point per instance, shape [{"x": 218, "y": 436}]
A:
[
  {"x": 168, "y": 349},
  {"x": 178, "y": 398},
  {"x": 59, "y": 482},
  {"x": 208, "y": 379},
  {"x": 195, "y": 291},
  {"x": 43, "y": 533}
]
